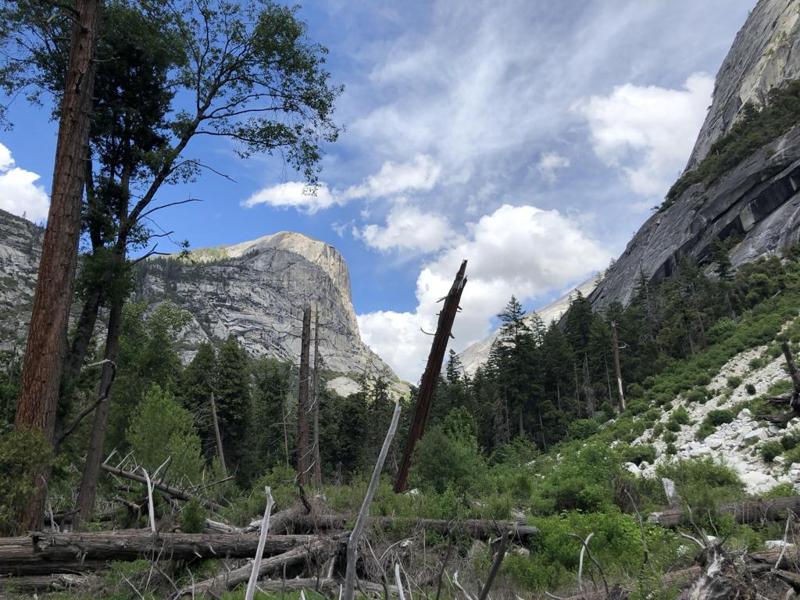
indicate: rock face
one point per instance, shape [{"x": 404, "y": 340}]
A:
[
  {"x": 254, "y": 291},
  {"x": 20, "y": 250},
  {"x": 478, "y": 353},
  {"x": 758, "y": 200}
]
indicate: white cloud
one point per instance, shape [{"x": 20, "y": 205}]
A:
[
  {"x": 520, "y": 250},
  {"x": 419, "y": 174},
  {"x": 19, "y": 192},
  {"x": 648, "y": 132},
  {"x": 549, "y": 164},
  {"x": 294, "y": 194},
  {"x": 408, "y": 228}
]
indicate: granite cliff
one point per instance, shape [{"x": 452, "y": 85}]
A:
[
  {"x": 755, "y": 205},
  {"x": 254, "y": 291}
]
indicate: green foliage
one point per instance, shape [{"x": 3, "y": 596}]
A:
[
  {"x": 702, "y": 483},
  {"x": 713, "y": 419},
  {"x": 770, "y": 449},
  {"x": 193, "y": 517},
  {"x": 638, "y": 454},
  {"x": 734, "y": 381},
  {"x": 22, "y": 455},
  {"x": 752, "y": 131},
  {"x": 448, "y": 457},
  {"x": 750, "y": 389},
  {"x": 161, "y": 429}
]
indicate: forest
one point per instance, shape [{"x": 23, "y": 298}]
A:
[{"x": 574, "y": 463}]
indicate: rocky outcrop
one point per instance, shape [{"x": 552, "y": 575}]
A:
[
  {"x": 254, "y": 291},
  {"x": 20, "y": 250},
  {"x": 478, "y": 353},
  {"x": 757, "y": 201},
  {"x": 765, "y": 53}
]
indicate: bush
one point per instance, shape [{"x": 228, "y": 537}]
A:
[
  {"x": 161, "y": 429},
  {"x": 734, "y": 382},
  {"x": 580, "y": 429},
  {"x": 638, "y": 454},
  {"x": 193, "y": 517},
  {"x": 699, "y": 395},
  {"x": 448, "y": 456},
  {"x": 22, "y": 455},
  {"x": 669, "y": 437},
  {"x": 769, "y": 450},
  {"x": 713, "y": 419},
  {"x": 750, "y": 389}
]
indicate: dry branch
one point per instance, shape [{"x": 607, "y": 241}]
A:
[
  {"x": 231, "y": 579},
  {"x": 163, "y": 487}
]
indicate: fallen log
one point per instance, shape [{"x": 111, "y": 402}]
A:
[
  {"x": 57, "y": 582},
  {"x": 231, "y": 579},
  {"x": 476, "y": 528},
  {"x": 129, "y": 544},
  {"x": 749, "y": 511},
  {"x": 327, "y": 584},
  {"x": 163, "y": 487}
]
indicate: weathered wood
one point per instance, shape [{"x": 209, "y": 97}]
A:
[
  {"x": 231, "y": 579},
  {"x": 163, "y": 487},
  {"x": 303, "y": 457},
  {"x": 137, "y": 543},
  {"x": 363, "y": 513},
  {"x": 617, "y": 368},
  {"x": 749, "y": 511},
  {"x": 327, "y": 584},
  {"x": 218, "y": 436},
  {"x": 430, "y": 378},
  {"x": 56, "y": 582},
  {"x": 316, "y": 399}
]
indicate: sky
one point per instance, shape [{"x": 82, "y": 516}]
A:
[{"x": 530, "y": 137}]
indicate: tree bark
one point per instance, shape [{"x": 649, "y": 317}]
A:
[
  {"x": 303, "y": 454},
  {"x": 43, "y": 363},
  {"x": 218, "y": 436},
  {"x": 430, "y": 378},
  {"x": 617, "y": 368},
  {"x": 316, "y": 399},
  {"x": 235, "y": 577},
  {"x": 94, "y": 455},
  {"x": 749, "y": 511}
]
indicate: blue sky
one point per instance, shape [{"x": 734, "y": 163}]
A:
[{"x": 531, "y": 137}]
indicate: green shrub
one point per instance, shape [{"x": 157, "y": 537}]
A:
[
  {"x": 750, "y": 389},
  {"x": 669, "y": 436},
  {"x": 160, "y": 429},
  {"x": 699, "y": 395},
  {"x": 638, "y": 453},
  {"x": 671, "y": 450},
  {"x": 23, "y": 454},
  {"x": 734, "y": 382},
  {"x": 769, "y": 450},
  {"x": 193, "y": 517},
  {"x": 580, "y": 429},
  {"x": 448, "y": 456},
  {"x": 714, "y": 419}
]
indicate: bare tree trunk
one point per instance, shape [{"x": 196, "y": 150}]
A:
[
  {"x": 617, "y": 368},
  {"x": 588, "y": 392},
  {"x": 218, "y": 436},
  {"x": 94, "y": 455},
  {"x": 430, "y": 378},
  {"x": 363, "y": 514},
  {"x": 303, "y": 454},
  {"x": 317, "y": 399},
  {"x": 43, "y": 363}
]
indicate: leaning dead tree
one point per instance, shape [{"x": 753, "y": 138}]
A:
[
  {"x": 303, "y": 453},
  {"x": 792, "y": 399},
  {"x": 430, "y": 378}
]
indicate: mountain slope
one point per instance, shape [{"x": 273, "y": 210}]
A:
[
  {"x": 254, "y": 291},
  {"x": 755, "y": 205}
]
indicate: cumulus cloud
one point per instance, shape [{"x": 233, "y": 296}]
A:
[
  {"x": 19, "y": 192},
  {"x": 549, "y": 164},
  {"x": 293, "y": 194},
  {"x": 520, "y": 250},
  {"x": 393, "y": 178},
  {"x": 419, "y": 174},
  {"x": 407, "y": 228},
  {"x": 647, "y": 131}
]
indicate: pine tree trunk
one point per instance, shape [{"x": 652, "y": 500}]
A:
[
  {"x": 218, "y": 436},
  {"x": 94, "y": 455},
  {"x": 303, "y": 455},
  {"x": 47, "y": 337},
  {"x": 316, "y": 399}
]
